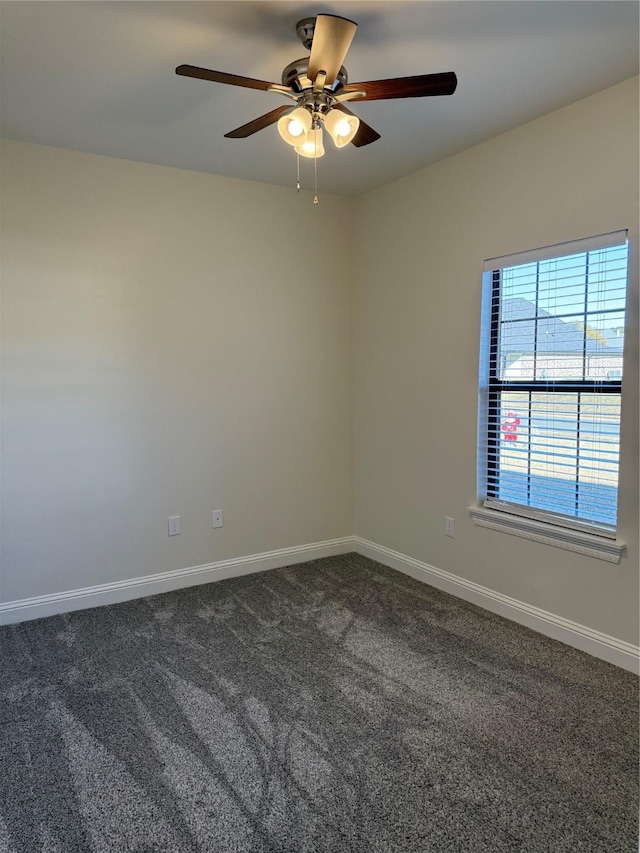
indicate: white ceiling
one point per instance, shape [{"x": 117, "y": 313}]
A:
[{"x": 99, "y": 77}]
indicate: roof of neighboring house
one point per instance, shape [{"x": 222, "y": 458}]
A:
[{"x": 554, "y": 335}]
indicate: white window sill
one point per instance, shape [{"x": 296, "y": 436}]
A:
[{"x": 560, "y": 537}]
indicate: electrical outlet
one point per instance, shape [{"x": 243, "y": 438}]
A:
[
  {"x": 174, "y": 525},
  {"x": 217, "y": 518},
  {"x": 449, "y": 527}
]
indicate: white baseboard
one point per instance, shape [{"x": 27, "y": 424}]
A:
[
  {"x": 112, "y": 593},
  {"x": 581, "y": 637}
]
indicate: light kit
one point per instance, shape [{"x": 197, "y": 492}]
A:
[{"x": 302, "y": 128}]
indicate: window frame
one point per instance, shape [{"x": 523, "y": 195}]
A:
[{"x": 576, "y": 534}]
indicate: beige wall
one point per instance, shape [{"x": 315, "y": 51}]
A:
[
  {"x": 172, "y": 345},
  {"x": 419, "y": 250},
  {"x": 162, "y": 355}
]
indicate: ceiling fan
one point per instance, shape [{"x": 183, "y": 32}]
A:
[{"x": 319, "y": 86}]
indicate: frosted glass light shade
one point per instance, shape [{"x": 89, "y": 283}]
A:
[
  {"x": 294, "y": 126},
  {"x": 312, "y": 146},
  {"x": 341, "y": 127}
]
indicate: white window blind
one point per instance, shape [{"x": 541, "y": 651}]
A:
[{"x": 550, "y": 382}]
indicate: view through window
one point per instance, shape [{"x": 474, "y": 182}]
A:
[{"x": 551, "y": 382}]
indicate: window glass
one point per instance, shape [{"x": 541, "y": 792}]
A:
[{"x": 550, "y": 435}]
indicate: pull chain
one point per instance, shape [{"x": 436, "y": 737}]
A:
[
  {"x": 315, "y": 168},
  {"x": 298, "y": 171}
]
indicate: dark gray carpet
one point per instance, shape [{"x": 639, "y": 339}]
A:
[{"x": 331, "y": 706}]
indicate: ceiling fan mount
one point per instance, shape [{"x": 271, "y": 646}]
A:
[
  {"x": 318, "y": 84},
  {"x": 305, "y": 30}
]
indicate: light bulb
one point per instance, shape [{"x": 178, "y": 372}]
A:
[
  {"x": 312, "y": 146},
  {"x": 294, "y": 126},
  {"x": 341, "y": 127}
]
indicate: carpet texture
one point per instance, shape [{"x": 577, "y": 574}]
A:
[{"x": 331, "y": 706}]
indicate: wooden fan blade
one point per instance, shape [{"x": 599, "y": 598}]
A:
[
  {"x": 365, "y": 135},
  {"x": 420, "y": 86},
  {"x": 223, "y": 77},
  {"x": 332, "y": 37},
  {"x": 258, "y": 123}
]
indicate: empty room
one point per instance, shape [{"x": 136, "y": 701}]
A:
[{"x": 319, "y": 427}]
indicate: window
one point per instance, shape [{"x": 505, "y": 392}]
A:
[{"x": 550, "y": 384}]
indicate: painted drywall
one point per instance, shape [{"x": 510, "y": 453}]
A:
[
  {"x": 173, "y": 343},
  {"x": 420, "y": 243}
]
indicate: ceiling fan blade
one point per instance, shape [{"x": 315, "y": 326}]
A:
[
  {"x": 365, "y": 135},
  {"x": 420, "y": 86},
  {"x": 258, "y": 123},
  {"x": 223, "y": 77},
  {"x": 332, "y": 37}
]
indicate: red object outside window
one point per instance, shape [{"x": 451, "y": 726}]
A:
[{"x": 510, "y": 427}]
